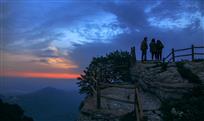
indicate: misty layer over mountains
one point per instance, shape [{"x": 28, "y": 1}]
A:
[
  {"x": 10, "y": 86},
  {"x": 44, "y": 99}
]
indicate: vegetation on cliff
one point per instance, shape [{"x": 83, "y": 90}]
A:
[
  {"x": 168, "y": 79},
  {"x": 187, "y": 73},
  {"x": 110, "y": 68},
  {"x": 190, "y": 107}
]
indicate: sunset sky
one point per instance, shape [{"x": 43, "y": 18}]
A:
[{"x": 58, "y": 38}]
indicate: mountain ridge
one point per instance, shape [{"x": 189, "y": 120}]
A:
[{"x": 50, "y": 103}]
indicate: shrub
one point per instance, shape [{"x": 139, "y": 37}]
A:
[
  {"x": 128, "y": 117},
  {"x": 113, "y": 66},
  {"x": 187, "y": 73},
  {"x": 189, "y": 108},
  {"x": 81, "y": 105}
]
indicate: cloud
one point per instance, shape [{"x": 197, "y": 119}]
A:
[
  {"x": 61, "y": 63},
  {"x": 101, "y": 28},
  {"x": 169, "y": 23},
  {"x": 28, "y": 62},
  {"x": 150, "y": 7},
  {"x": 129, "y": 14},
  {"x": 176, "y": 15},
  {"x": 64, "y": 36}
]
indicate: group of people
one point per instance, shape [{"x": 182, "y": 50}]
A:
[{"x": 156, "y": 48}]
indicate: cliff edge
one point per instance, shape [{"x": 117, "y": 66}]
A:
[{"x": 157, "y": 83}]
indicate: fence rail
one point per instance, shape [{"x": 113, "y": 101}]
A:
[
  {"x": 199, "y": 47},
  {"x": 182, "y": 49},
  {"x": 171, "y": 57},
  {"x": 119, "y": 100},
  {"x": 117, "y": 85},
  {"x": 136, "y": 102}
]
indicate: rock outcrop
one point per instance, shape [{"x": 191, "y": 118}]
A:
[
  {"x": 197, "y": 68},
  {"x": 164, "y": 84},
  {"x": 156, "y": 83}
]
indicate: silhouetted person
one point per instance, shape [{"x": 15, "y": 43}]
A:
[
  {"x": 144, "y": 48},
  {"x": 159, "y": 47},
  {"x": 152, "y": 46}
]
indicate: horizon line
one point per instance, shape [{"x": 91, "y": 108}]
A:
[{"x": 41, "y": 75}]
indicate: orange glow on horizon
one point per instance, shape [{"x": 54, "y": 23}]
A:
[{"x": 41, "y": 75}]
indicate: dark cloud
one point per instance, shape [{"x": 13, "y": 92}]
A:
[
  {"x": 130, "y": 14},
  {"x": 79, "y": 30}
]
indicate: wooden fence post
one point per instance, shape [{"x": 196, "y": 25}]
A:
[
  {"x": 98, "y": 95},
  {"x": 192, "y": 47},
  {"x": 98, "y": 91},
  {"x": 133, "y": 55},
  {"x": 173, "y": 54},
  {"x": 136, "y": 106}
]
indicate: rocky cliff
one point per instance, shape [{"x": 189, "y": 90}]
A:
[
  {"x": 164, "y": 82},
  {"x": 157, "y": 82}
]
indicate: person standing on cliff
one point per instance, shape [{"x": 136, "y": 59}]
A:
[
  {"x": 143, "y": 48},
  {"x": 159, "y": 48},
  {"x": 152, "y": 47}
]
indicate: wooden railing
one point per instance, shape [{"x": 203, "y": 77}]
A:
[
  {"x": 137, "y": 103},
  {"x": 171, "y": 57}
]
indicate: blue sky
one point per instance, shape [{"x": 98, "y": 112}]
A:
[{"x": 58, "y": 36}]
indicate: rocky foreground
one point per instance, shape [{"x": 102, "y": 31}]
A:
[{"x": 156, "y": 83}]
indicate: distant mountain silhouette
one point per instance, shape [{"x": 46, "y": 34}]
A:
[
  {"x": 2, "y": 97},
  {"x": 51, "y": 104},
  {"x": 47, "y": 91},
  {"x": 50, "y": 89},
  {"x": 12, "y": 112}
]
